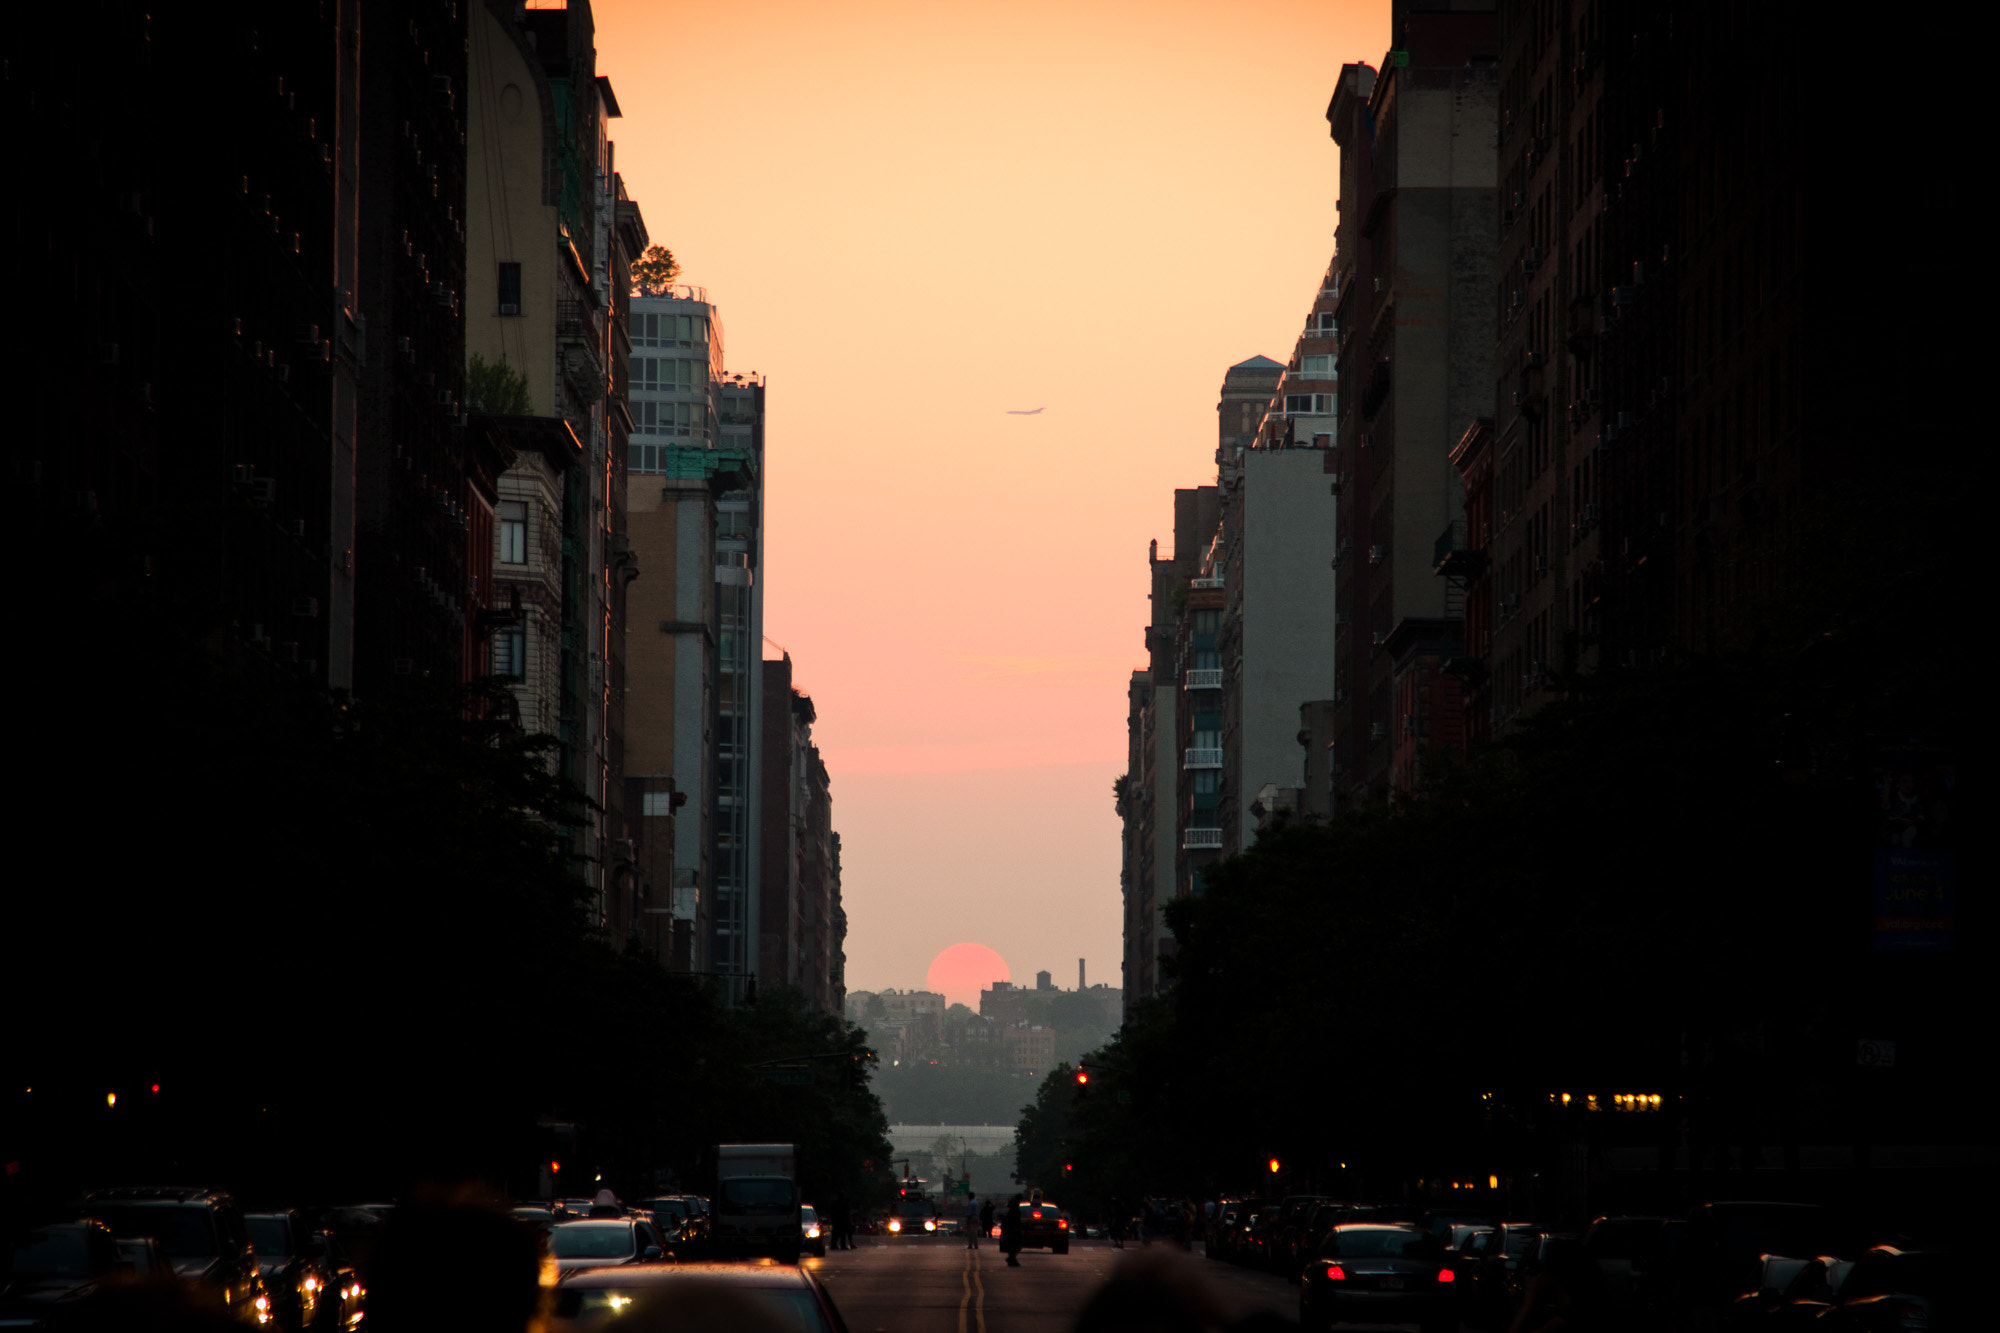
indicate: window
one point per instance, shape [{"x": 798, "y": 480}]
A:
[
  {"x": 652, "y": 330},
  {"x": 652, "y": 418},
  {"x": 662, "y": 376},
  {"x": 1318, "y": 367},
  {"x": 656, "y": 804},
  {"x": 510, "y": 653},
  {"x": 513, "y": 515},
  {"x": 510, "y": 289}
]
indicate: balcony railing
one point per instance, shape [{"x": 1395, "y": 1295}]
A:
[
  {"x": 1206, "y": 581},
  {"x": 1202, "y": 678},
  {"x": 1194, "y": 838},
  {"x": 1202, "y": 758}
]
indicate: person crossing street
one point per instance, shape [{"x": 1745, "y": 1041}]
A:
[{"x": 972, "y": 1222}]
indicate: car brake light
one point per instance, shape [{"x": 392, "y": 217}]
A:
[
  {"x": 1335, "y": 1273},
  {"x": 1063, "y": 1225},
  {"x": 1037, "y": 1214},
  {"x": 1446, "y": 1275}
]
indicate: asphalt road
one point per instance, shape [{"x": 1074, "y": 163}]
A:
[{"x": 937, "y": 1286}]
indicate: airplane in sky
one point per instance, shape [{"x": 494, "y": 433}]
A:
[{"x": 1022, "y": 411}]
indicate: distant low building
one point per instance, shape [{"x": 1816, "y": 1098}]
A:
[{"x": 1032, "y": 1049}]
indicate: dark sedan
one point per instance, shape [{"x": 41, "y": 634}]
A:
[
  {"x": 700, "y": 1296},
  {"x": 52, "y": 1267},
  {"x": 1043, "y": 1226},
  {"x": 601, "y": 1242},
  {"x": 1373, "y": 1273}
]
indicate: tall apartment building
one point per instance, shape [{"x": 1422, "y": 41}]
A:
[
  {"x": 185, "y": 435},
  {"x": 1415, "y": 240},
  {"x": 801, "y": 927},
  {"x": 426, "y": 490},
  {"x": 694, "y": 662},
  {"x": 547, "y": 264},
  {"x": 1647, "y": 456},
  {"x": 1209, "y": 637},
  {"x": 1274, "y": 555},
  {"x": 1155, "y": 825}
]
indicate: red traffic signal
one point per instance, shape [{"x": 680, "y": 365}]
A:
[{"x": 1082, "y": 1077}]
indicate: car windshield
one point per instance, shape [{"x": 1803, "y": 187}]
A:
[
  {"x": 1044, "y": 1211},
  {"x": 752, "y": 1193},
  {"x": 1517, "y": 1242},
  {"x": 807, "y": 1215},
  {"x": 698, "y": 1305},
  {"x": 670, "y": 1210},
  {"x": 1383, "y": 1244},
  {"x": 52, "y": 1253},
  {"x": 269, "y": 1235},
  {"x": 183, "y": 1232},
  {"x": 588, "y": 1242}
]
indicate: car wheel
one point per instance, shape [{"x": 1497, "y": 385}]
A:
[{"x": 1063, "y": 1248}]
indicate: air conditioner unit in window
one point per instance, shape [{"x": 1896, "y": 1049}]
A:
[{"x": 509, "y": 308}]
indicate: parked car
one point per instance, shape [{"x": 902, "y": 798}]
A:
[
  {"x": 602, "y": 1242},
  {"x": 680, "y": 1222},
  {"x": 1377, "y": 1273},
  {"x": 1719, "y": 1256},
  {"x": 148, "y": 1260},
  {"x": 202, "y": 1234},
  {"x": 1216, "y": 1243},
  {"x": 1285, "y": 1231},
  {"x": 1041, "y": 1225},
  {"x": 52, "y": 1267},
  {"x": 1534, "y": 1259},
  {"x": 1811, "y": 1294},
  {"x": 291, "y": 1261},
  {"x": 1463, "y": 1249},
  {"x": 1776, "y": 1275},
  {"x": 1489, "y": 1301},
  {"x": 1624, "y": 1248},
  {"x": 811, "y": 1235},
  {"x": 1894, "y": 1288},
  {"x": 1439, "y": 1222},
  {"x": 699, "y": 1296}
]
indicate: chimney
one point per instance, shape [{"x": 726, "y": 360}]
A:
[{"x": 1079, "y": 975}]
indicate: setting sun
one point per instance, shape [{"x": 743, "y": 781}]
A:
[{"x": 963, "y": 970}]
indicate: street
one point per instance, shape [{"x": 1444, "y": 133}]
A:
[{"x": 938, "y": 1287}]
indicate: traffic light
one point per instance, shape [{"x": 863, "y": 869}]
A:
[
  {"x": 1082, "y": 1077},
  {"x": 1274, "y": 1166},
  {"x": 1066, "y": 1168}
]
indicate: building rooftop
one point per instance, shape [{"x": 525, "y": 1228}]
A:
[{"x": 1259, "y": 363}]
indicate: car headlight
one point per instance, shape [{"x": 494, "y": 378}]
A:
[
  {"x": 894, "y": 1225},
  {"x": 930, "y": 1226},
  {"x": 812, "y": 1233}
]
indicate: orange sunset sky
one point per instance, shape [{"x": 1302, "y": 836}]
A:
[{"x": 913, "y": 217}]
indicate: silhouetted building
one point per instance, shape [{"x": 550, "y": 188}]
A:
[
  {"x": 1415, "y": 242},
  {"x": 425, "y": 486},
  {"x": 185, "y": 387},
  {"x": 800, "y": 924}
]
